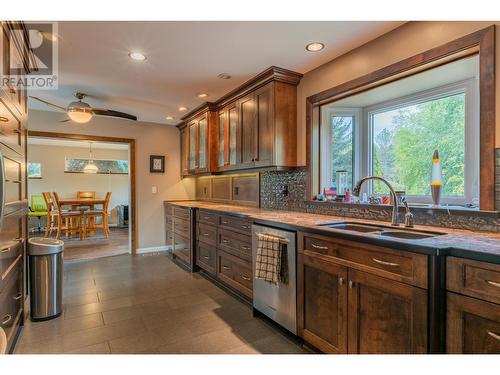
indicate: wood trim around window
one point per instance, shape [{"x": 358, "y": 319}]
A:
[
  {"x": 481, "y": 42},
  {"x": 132, "y": 169}
]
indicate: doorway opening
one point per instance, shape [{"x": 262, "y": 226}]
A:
[{"x": 91, "y": 182}]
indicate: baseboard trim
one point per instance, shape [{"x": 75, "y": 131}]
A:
[{"x": 154, "y": 249}]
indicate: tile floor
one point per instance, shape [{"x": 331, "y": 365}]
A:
[{"x": 147, "y": 304}]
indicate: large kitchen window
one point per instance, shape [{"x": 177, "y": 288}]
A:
[{"x": 395, "y": 139}]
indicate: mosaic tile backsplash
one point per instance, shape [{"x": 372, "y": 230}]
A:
[{"x": 285, "y": 190}]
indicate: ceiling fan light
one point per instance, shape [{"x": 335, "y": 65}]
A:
[{"x": 80, "y": 115}]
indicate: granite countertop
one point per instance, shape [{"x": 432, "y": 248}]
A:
[{"x": 455, "y": 242}]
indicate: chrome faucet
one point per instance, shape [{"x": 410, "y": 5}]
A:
[
  {"x": 395, "y": 207},
  {"x": 408, "y": 214}
]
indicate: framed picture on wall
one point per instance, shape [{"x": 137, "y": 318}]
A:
[{"x": 157, "y": 164}]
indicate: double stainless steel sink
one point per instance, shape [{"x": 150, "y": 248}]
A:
[{"x": 381, "y": 230}]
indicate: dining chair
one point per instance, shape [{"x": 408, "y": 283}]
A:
[
  {"x": 86, "y": 194},
  {"x": 52, "y": 213},
  {"x": 93, "y": 214},
  {"x": 68, "y": 217}
]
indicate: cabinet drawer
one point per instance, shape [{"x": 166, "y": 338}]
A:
[
  {"x": 182, "y": 248},
  {"x": 207, "y": 234},
  {"x": 397, "y": 265},
  {"x": 12, "y": 227},
  {"x": 9, "y": 254},
  {"x": 321, "y": 246},
  {"x": 11, "y": 300},
  {"x": 181, "y": 226},
  {"x": 473, "y": 278},
  {"x": 235, "y": 273},
  {"x": 181, "y": 212},
  {"x": 225, "y": 267},
  {"x": 243, "y": 276},
  {"x": 241, "y": 225},
  {"x": 207, "y": 217},
  {"x": 206, "y": 258},
  {"x": 235, "y": 243}
]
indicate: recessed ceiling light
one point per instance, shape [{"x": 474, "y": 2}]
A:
[
  {"x": 202, "y": 95},
  {"x": 183, "y": 109},
  {"x": 169, "y": 118},
  {"x": 137, "y": 56},
  {"x": 224, "y": 76},
  {"x": 315, "y": 47}
]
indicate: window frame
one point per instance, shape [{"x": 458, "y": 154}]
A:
[
  {"x": 363, "y": 138},
  {"x": 471, "y": 142},
  {"x": 325, "y": 147}
]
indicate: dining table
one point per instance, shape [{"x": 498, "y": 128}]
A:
[{"x": 82, "y": 202}]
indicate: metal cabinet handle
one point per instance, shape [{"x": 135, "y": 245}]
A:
[
  {"x": 493, "y": 283},
  {"x": 5, "y": 250},
  {"x": 246, "y": 247},
  {"x": 4, "y": 119},
  {"x": 245, "y": 226},
  {"x": 7, "y": 318},
  {"x": 494, "y": 335},
  {"x": 245, "y": 277},
  {"x": 206, "y": 234},
  {"x": 206, "y": 217},
  {"x": 319, "y": 247},
  {"x": 18, "y": 296},
  {"x": 225, "y": 222},
  {"x": 206, "y": 257},
  {"x": 225, "y": 267},
  {"x": 385, "y": 263},
  {"x": 225, "y": 241},
  {"x": 341, "y": 281},
  {"x": 351, "y": 284}
]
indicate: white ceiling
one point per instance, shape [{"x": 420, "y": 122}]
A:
[
  {"x": 53, "y": 142},
  {"x": 456, "y": 71},
  {"x": 184, "y": 58}
]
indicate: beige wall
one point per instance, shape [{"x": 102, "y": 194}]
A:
[
  {"x": 151, "y": 139},
  {"x": 67, "y": 184},
  {"x": 405, "y": 41}
]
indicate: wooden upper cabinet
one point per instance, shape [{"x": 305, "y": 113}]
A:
[
  {"x": 197, "y": 140},
  {"x": 254, "y": 126},
  {"x": 184, "y": 151}
]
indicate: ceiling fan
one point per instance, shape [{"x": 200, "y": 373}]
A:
[{"x": 82, "y": 112}]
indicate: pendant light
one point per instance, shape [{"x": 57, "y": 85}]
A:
[{"x": 90, "y": 167}]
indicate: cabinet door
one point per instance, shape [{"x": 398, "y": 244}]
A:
[
  {"x": 193, "y": 146},
  {"x": 222, "y": 144},
  {"x": 202, "y": 144},
  {"x": 232, "y": 115},
  {"x": 473, "y": 326},
  {"x": 385, "y": 317},
  {"x": 264, "y": 135},
  {"x": 247, "y": 130},
  {"x": 322, "y": 301},
  {"x": 184, "y": 153}
]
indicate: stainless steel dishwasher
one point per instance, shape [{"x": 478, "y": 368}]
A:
[{"x": 277, "y": 302}]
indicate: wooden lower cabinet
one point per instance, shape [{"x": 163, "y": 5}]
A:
[
  {"x": 322, "y": 320},
  {"x": 235, "y": 272},
  {"x": 473, "y": 325},
  {"x": 385, "y": 317},
  {"x": 344, "y": 310}
]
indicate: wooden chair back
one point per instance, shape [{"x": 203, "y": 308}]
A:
[
  {"x": 49, "y": 201},
  {"x": 85, "y": 194},
  {"x": 106, "y": 202},
  {"x": 56, "y": 198}
]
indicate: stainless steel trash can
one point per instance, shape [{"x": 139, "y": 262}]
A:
[{"x": 46, "y": 274}]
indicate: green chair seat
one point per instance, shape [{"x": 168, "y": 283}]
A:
[{"x": 37, "y": 213}]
